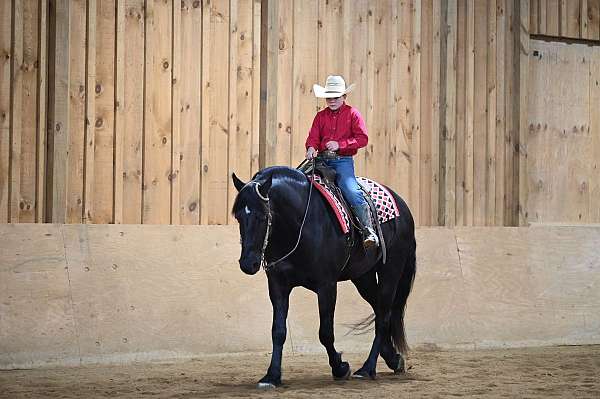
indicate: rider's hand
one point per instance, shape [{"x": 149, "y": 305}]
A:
[
  {"x": 332, "y": 145},
  {"x": 311, "y": 153}
]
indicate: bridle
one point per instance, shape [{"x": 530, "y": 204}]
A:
[{"x": 267, "y": 266}]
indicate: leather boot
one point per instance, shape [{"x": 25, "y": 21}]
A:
[{"x": 364, "y": 217}]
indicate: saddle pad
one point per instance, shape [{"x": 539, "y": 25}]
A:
[
  {"x": 385, "y": 204},
  {"x": 387, "y": 209},
  {"x": 340, "y": 212}
]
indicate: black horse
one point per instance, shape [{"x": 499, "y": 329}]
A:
[{"x": 277, "y": 220}]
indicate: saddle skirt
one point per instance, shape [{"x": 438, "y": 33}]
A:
[{"x": 385, "y": 203}]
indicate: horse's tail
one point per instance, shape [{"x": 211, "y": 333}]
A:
[{"x": 402, "y": 291}]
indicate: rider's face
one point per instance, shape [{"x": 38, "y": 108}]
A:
[{"x": 335, "y": 103}]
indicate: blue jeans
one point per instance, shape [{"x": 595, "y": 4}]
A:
[{"x": 346, "y": 180}]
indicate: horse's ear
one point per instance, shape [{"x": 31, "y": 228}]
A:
[
  {"x": 265, "y": 187},
  {"x": 237, "y": 182}
]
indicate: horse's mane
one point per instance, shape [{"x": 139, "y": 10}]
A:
[{"x": 281, "y": 176}]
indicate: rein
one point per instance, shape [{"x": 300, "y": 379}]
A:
[{"x": 267, "y": 266}]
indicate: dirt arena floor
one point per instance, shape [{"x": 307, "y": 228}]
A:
[{"x": 572, "y": 372}]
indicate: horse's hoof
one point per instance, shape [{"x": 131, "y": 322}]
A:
[
  {"x": 401, "y": 369},
  {"x": 269, "y": 382},
  {"x": 344, "y": 372},
  {"x": 363, "y": 374},
  {"x": 397, "y": 364},
  {"x": 266, "y": 385}
]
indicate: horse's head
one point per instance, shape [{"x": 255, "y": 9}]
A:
[{"x": 251, "y": 209}]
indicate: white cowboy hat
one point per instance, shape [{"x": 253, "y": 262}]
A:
[{"x": 334, "y": 87}]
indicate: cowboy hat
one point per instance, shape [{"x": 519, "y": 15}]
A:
[{"x": 334, "y": 87}]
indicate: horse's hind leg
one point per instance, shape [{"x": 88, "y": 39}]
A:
[
  {"x": 367, "y": 288},
  {"x": 327, "y": 297}
]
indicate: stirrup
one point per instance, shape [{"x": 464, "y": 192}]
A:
[{"x": 370, "y": 240}]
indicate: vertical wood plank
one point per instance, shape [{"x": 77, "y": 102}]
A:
[
  {"x": 232, "y": 117},
  {"x": 119, "y": 109},
  {"x": 426, "y": 114},
  {"x": 219, "y": 103},
  {"x": 543, "y": 17},
  {"x": 59, "y": 112},
  {"x": 593, "y": 19},
  {"x": 190, "y": 109},
  {"x": 563, "y": 16},
  {"x": 269, "y": 83},
  {"x": 480, "y": 97},
  {"x": 104, "y": 132},
  {"x": 470, "y": 115},
  {"x": 435, "y": 116},
  {"x": 158, "y": 128},
  {"x": 285, "y": 58},
  {"x": 415, "y": 79},
  {"x": 305, "y": 74},
  {"x": 378, "y": 133},
  {"x": 461, "y": 111},
  {"x": 256, "y": 89},
  {"x": 77, "y": 100},
  {"x": 500, "y": 126},
  {"x": 552, "y": 17},
  {"x": 534, "y": 22},
  {"x": 330, "y": 47},
  {"x": 132, "y": 112},
  {"x": 17, "y": 111},
  {"x": 205, "y": 113},
  {"x": 523, "y": 130},
  {"x": 42, "y": 83},
  {"x": 583, "y": 19},
  {"x": 5, "y": 88},
  {"x": 90, "y": 119},
  {"x": 401, "y": 135},
  {"x": 594, "y": 83},
  {"x": 448, "y": 188},
  {"x": 370, "y": 89},
  {"x": 510, "y": 115},
  {"x": 244, "y": 94},
  {"x": 356, "y": 20},
  {"x": 28, "y": 106},
  {"x": 490, "y": 209},
  {"x": 176, "y": 57},
  {"x": 573, "y": 18},
  {"x": 393, "y": 145}
]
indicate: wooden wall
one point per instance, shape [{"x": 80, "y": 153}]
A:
[
  {"x": 576, "y": 19},
  {"x": 151, "y": 105},
  {"x": 439, "y": 84},
  {"x": 564, "y": 133},
  {"x": 23, "y": 80}
]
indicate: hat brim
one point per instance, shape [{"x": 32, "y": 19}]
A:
[{"x": 320, "y": 91}]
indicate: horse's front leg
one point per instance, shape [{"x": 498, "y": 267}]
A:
[
  {"x": 327, "y": 297},
  {"x": 279, "y": 296}
]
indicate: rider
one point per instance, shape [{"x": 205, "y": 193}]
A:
[{"x": 340, "y": 129}]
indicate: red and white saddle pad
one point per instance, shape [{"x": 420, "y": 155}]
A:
[
  {"x": 384, "y": 201},
  {"x": 385, "y": 204}
]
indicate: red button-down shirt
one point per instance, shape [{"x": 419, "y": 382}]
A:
[{"x": 345, "y": 125}]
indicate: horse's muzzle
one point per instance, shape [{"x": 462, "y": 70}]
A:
[{"x": 250, "y": 264}]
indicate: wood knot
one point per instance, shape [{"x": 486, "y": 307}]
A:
[
  {"x": 99, "y": 122},
  {"x": 165, "y": 64},
  {"x": 98, "y": 88},
  {"x": 196, "y": 4}
]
